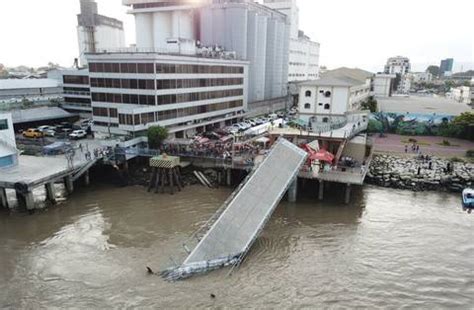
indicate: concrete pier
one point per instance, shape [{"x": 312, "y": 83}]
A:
[
  {"x": 25, "y": 200},
  {"x": 229, "y": 177},
  {"x": 50, "y": 193},
  {"x": 347, "y": 196},
  {"x": 293, "y": 191},
  {"x": 69, "y": 184},
  {"x": 321, "y": 190},
  {"x": 3, "y": 198},
  {"x": 87, "y": 180}
]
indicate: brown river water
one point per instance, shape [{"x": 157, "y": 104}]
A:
[{"x": 387, "y": 249}]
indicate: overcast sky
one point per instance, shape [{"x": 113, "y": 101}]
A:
[{"x": 353, "y": 33}]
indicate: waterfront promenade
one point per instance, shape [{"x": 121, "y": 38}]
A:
[{"x": 429, "y": 145}]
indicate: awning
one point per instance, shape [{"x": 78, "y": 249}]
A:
[{"x": 322, "y": 155}]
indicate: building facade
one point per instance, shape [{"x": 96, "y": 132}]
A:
[
  {"x": 397, "y": 65},
  {"x": 328, "y": 97},
  {"x": 76, "y": 91},
  {"x": 463, "y": 94},
  {"x": 446, "y": 66},
  {"x": 132, "y": 91},
  {"x": 8, "y": 150},
  {"x": 304, "y": 53},
  {"x": 421, "y": 77},
  {"x": 382, "y": 85},
  {"x": 97, "y": 32},
  {"x": 256, "y": 33}
]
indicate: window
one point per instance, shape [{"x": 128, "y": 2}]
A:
[
  {"x": 3, "y": 124},
  {"x": 308, "y": 93},
  {"x": 327, "y": 94},
  {"x": 327, "y": 106},
  {"x": 307, "y": 106},
  {"x": 325, "y": 120}
]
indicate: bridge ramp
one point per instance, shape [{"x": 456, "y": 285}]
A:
[{"x": 230, "y": 237}]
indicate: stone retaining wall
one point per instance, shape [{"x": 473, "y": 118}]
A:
[{"x": 402, "y": 173}]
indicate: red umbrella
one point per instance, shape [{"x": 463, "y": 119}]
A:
[{"x": 322, "y": 155}]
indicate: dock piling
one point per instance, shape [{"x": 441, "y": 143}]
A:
[
  {"x": 3, "y": 198},
  {"x": 293, "y": 190},
  {"x": 50, "y": 192},
  {"x": 321, "y": 190},
  {"x": 69, "y": 184},
  {"x": 347, "y": 197}
]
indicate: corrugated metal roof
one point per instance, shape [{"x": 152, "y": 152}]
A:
[
  {"x": 353, "y": 73},
  {"x": 28, "y": 83},
  {"x": 39, "y": 114}
]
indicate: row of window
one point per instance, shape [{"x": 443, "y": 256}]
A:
[
  {"x": 326, "y": 94},
  {"x": 153, "y": 5},
  {"x": 327, "y": 106},
  {"x": 164, "y": 99},
  {"x": 76, "y": 79},
  {"x": 163, "y": 68},
  {"x": 163, "y": 84},
  {"x": 77, "y": 100},
  {"x": 103, "y": 124},
  {"x": 151, "y": 117},
  {"x": 104, "y": 112}
]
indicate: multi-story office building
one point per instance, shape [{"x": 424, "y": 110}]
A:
[
  {"x": 132, "y": 91},
  {"x": 446, "y": 66},
  {"x": 8, "y": 150},
  {"x": 304, "y": 53},
  {"x": 421, "y": 77},
  {"x": 397, "y": 65},
  {"x": 76, "y": 91},
  {"x": 97, "y": 32}
]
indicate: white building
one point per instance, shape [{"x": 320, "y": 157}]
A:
[
  {"x": 8, "y": 150},
  {"x": 462, "y": 94},
  {"x": 304, "y": 53},
  {"x": 257, "y": 34},
  {"x": 97, "y": 32},
  {"x": 382, "y": 85},
  {"x": 328, "y": 97},
  {"x": 397, "y": 65},
  {"x": 132, "y": 91},
  {"x": 421, "y": 77}
]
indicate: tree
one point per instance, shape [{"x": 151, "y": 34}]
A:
[
  {"x": 434, "y": 70},
  {"x": 465, "y": 122},
  {"x": 370, "y": 104},
  {"x": 156, "y": 136}
]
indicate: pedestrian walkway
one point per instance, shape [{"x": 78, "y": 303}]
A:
[{"x": 233, "y": 233}]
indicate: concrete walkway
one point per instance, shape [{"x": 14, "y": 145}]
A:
[{"x": 428, "y": 145}]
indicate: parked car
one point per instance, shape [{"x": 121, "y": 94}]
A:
[
  {"x": 45, "y": 127},
  {"x": 78, "y": 134},
  {"x": 281, "y": 114},
  {"x": 250, "y": 122},
  {"x": 32, "y": 133},
  {"x": 49, "y": 133},
  {"x": 273, "y": 116},
  {"x": 86, "y": 124}
]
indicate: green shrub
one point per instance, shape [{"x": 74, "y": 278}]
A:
[
  {"x": 470, "y": 153},
  {"x": 446, "y": 143}
]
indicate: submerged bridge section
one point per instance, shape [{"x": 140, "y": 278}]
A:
[{"x": 233, "y": 233}]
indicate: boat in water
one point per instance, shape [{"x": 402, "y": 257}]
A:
[{"x": 468, "y": 199}]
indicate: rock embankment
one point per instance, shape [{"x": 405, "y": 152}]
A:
[{"x": 402, "y": 173}]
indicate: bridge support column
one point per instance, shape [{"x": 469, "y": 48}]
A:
[
  {"x": 347, "y": 197},
  {"x": 69, "y": 184},
  {"x": 26, "y": 200},
  {"x": 50, "y": 192},
  {"x": 229, "y": 177},
  {"x": 321, "y": 190},
  {"x": 87, "y": 180},
  {"x": 293, "y": 191},
  {"x": 3, "y": 198}
]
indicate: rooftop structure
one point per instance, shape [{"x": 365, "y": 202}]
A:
[
  {"x": 97, "y": 32},
  {"x": 397, "y": 65}
]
